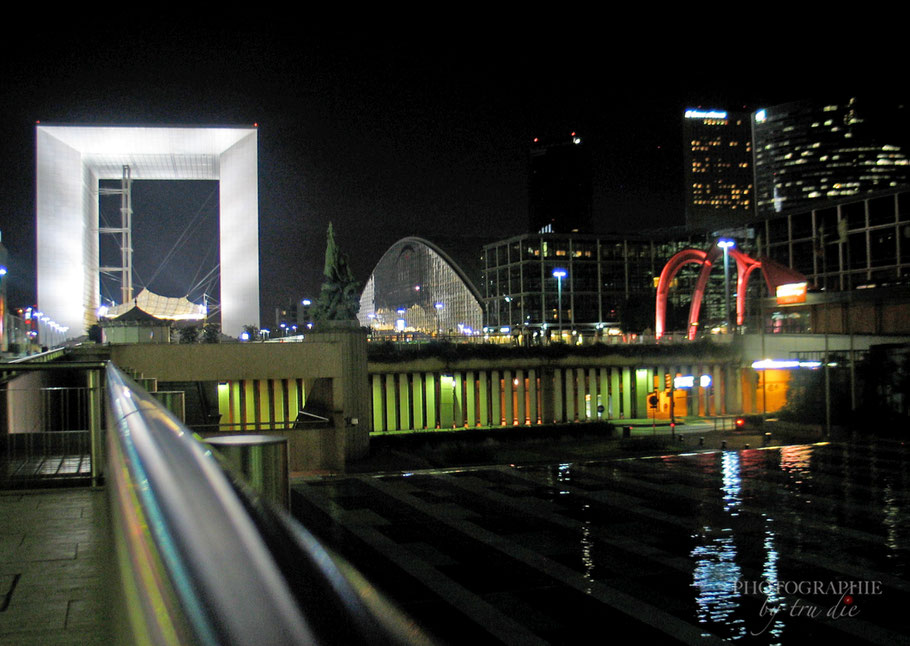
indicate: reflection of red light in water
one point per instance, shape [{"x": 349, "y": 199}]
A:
[{"x": 848, "y": 600}]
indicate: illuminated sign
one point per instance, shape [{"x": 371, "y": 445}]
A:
[
  {"x": 784, "y": 364},
  {"x": 705, "y": 114},
  {"x": 687, "y": 381},
  {"x": 705, "y": 381},
  {"x": 791, "y": 293},
  {"x": 760, "y": 116}
]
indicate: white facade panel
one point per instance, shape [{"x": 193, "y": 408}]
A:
[
  {"x": 60, "y": 232},
  {"x": 239, "y": 226},
  {"x": 70, "y": 162}
]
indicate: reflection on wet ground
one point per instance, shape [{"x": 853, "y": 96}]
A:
[{"x": 760, "y": 546}]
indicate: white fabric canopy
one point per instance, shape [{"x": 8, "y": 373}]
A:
[{"x": 162, "y": 307}]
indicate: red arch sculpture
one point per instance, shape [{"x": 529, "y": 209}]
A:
[{"x": 745, "y": 265}]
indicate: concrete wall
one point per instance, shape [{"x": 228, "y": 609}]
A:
[
  {"x": 262, "y": 386},
  {"x": 430, "y": 393}
]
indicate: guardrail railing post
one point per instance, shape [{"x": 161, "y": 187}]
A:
[{"x": 94, "y": 425}]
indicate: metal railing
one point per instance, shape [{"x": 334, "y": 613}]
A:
[
  {"x": 203, "y": 561},
  {"x": 51, "y": 423}
]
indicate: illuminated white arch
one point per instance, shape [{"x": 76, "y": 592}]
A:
[{"x": 70, "y": 162}]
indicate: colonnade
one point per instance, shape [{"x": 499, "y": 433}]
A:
[
  {"x": 257, "y": 404},
  {"x": 542, "y": 394}
]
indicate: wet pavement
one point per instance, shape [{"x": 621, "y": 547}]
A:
[{"x": 760, "y": 546}]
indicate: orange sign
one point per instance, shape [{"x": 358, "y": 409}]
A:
[{"x": 791, "y": 293}]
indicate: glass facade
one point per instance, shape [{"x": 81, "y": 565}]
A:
[
  {"x": 809, "y": 153},
  {"x": 718, "y": 149},
  {"x": 604, "y": 275},
  {"x": 416, "y": 287},
  {"x": 860, "y": 243}
]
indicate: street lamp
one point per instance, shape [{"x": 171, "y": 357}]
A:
[
  {"x": 559, "y": 274},
  {"x": 509, "y": 301},
  {"x": 726, "y": 245}
]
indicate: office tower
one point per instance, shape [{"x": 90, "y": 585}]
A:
[
  {"x": 808, "y": 153},
  {"x": 718, "y": 169},
  {"x": 559, "y": 186}
]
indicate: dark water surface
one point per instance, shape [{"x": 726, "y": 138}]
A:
[{"x": 763, "y": 546}]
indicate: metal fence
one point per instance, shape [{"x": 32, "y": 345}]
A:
[{"x": 46, "y": 434}]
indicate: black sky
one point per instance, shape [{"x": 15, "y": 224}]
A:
[{"x": 388, "y": 136}]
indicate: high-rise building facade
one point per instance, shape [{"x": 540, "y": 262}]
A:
[
  {"x": 718, "y": 169},
  {"x": 808, "y": 153},
  {"x": 559, "y": 185}
]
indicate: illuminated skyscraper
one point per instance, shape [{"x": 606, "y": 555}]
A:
[
  {"x": 718, "y": 169},
  {"x": 809, "y": 153},
  {"x": 559, "y": 187}
]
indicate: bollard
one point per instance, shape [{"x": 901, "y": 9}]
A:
[
  {"x": 701, "y": 441},
  {"x": 723, "y": 445},
  {"x": 767, "y": 439},
  {"x": 746, "y": 446},
  {"x": 261, "y": 460},
  {"x": 626, "y": 432}
]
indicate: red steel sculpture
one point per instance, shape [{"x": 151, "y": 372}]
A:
[{"x": 775, "y": 274}]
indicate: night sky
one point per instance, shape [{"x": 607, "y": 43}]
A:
[{"x": 384, "y": 135}]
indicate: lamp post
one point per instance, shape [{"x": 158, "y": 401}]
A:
[
  {"x": 438, "y": 306},
  {"x": 559, "y": 274},
  {"x": 508, "y": 300},
  {"x": 726, "y": 245}
]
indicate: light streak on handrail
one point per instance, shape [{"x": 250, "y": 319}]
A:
[{"x": 204, "y": 563}]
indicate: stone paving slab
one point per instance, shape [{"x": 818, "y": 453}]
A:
[{"x": 56, "y": 558}]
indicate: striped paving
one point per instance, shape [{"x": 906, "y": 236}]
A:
[{"x": 661, "y": 548}]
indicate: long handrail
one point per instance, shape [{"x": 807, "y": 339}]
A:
[{"x": 204, "y": 563}]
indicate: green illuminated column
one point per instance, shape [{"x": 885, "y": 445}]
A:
[
  {"x": 377, "y": 402},
  {"x": 446, "y": 400},
  {"x": 495, "y": 399},
  {"x": 470, "y": 403},
  {"x": 643, "y": 381},
  {"x": 568, "y": 394},
  {"x": 263, "y": 416},
  {"x": 586, "y": 386},
  {"x": 458, "y": 400},
  {"x": 547, "y": 395},
  {"x": 533, "y": 412},
  {"x": 296, "y": 396},
  {"x": 417, "y": 399},
  {"x": 277, "y": 401},
  {"x": 404, "y": 402},
  {"x": 559, "y": 395},
  {"x": 613, "y": 403},
  {"x": 627, "y": 411},
  {"x": 603, "y": 392},
  {"x": 249, "y": 404},
  {"x": 430, "y": 390},
  {"x": 224, "y": 405},
  {"x": 484, "y": 377},
  {"x": 391, "y": 415},
  {"x": 508, "y": 411}
]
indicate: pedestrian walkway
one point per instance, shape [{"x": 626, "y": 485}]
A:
[{"x": 55, "y": 561}]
